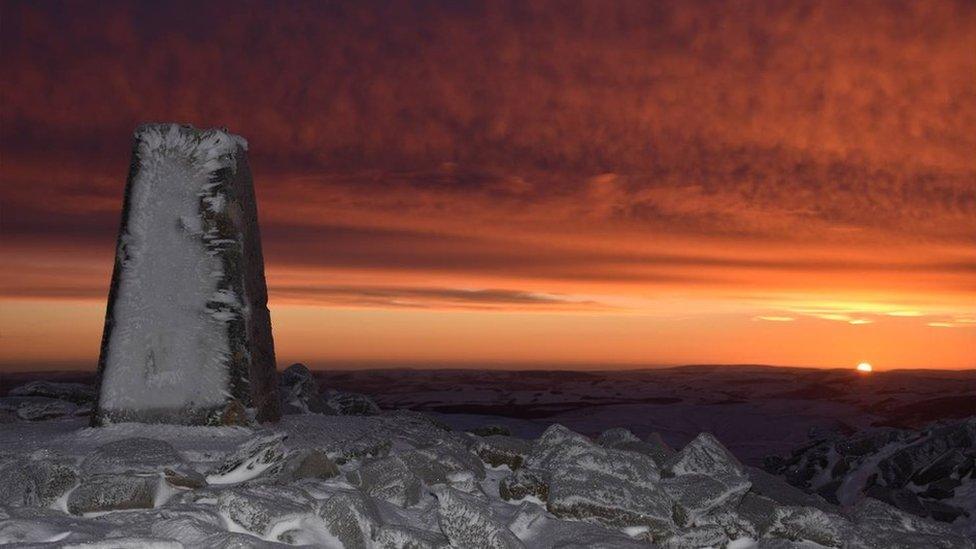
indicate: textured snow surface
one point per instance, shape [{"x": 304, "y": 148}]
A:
[
  {"x": 400, "y": 480},
  {"x": 167, "y": 350}
]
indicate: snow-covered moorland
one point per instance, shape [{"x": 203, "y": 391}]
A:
[{"x": 338, "y": 472}]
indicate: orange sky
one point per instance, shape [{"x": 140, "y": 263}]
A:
[{"x": 567, "y": 184}]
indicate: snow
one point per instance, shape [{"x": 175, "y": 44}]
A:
[
  {"x": 165, "y": 351},
  {"x": 402, "y": 481}
]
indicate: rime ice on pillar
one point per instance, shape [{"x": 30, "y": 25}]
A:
[{"x": 187, "y": 329}]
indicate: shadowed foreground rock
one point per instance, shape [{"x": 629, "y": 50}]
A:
[{"x": 187, "y": 335}]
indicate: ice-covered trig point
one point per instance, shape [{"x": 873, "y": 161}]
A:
[{"x": 187, "y": 332}]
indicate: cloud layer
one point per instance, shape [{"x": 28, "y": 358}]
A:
[{"x": 519, "y": 156}]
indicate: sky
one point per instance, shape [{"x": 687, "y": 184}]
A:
[{"x": 537, "y": 184}]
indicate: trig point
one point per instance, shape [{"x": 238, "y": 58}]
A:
[{"x": 187, "y": 335}]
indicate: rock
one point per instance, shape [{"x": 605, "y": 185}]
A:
[
  {"x": 757, "y": 512},
  {"x": 705, "y": 476},
  {"x": 461, "y": 466},
  {"x": 298, "y": 390},
  {"x": 809, "y": 524},
  {"x": 184, "y": 478},
  {"x": 536, "y": 529},
  {"x": 698, "y": 494},
  {"x": 113, "y": 492},
  {"x": 608, "y": 500},
  {"x": 305, "y": 464},
  {"x": 883, "y": 526},
  {"x": 734, "y": 525},
  {"x": 501, "y": 450},
  {"x": 469, "y": 522},
  {"x": 704, "y": 455},
  {"x": 352, "y": 518},
  {"x": 188, "y": 326},
  {"x": 366, "y": 447},
  {"x": 78, "y": 393},
  {"x": 35, "y": 527},
  {"x": 18, "y": 485},
  {"x": 900, "y": 467},
  {"x": 37, "y": 408},
  {"x": 233, "y": 540},
  {"x": 37, "y": 480},
  {"x": 132, "y": 455},
  {"x": 524, "y": 483},
  {"x": 391, "y": 536},
  {"x": 941, "y": 468},
  {"x": 574, "y": 456},
  {"x": 249, "y": 461},
  {"x": 7, "y": 416},
  {"x": 389, "y": 479},
  {"x": 351, "y": 404},
  {"x": 623, "y": 439},
  {"x": 584, "y": 481},
  {"x": 298, "y": 375},
  {"x": 489, "y": 430},
  {"x": 259, "y": 509},
  {"x": 696, "y": 537},
  {"x": 783, "y": 493},
  {"x": 943, "y": 512},
  {"x": 234, "y": 414},
  {"x": 428, "y": 470},
  {"x": 905, "y": 468}
]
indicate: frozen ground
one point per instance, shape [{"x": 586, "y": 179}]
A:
[{"x": 399, "y": 478}]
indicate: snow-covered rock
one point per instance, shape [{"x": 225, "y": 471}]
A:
[
  {"x": 427, "y": 488},
  {"x": 784, "y": 493},
  {"x": 187, "y": 334},
  {"x": 883, "y": 526},
  {"x": 538, "y": 529},
  {"x": 351, "y": 517},
  {"x": 36, "y": 480},
  {"x": 250, "y": 460},
  {"x": 132, "y": 455},
  {"x": 501, "y": 450},
  {"x": 394, "y": 536},
  {"x": 40, "y": 408},
  {"x": 810, "y": 524},
  {"x": 113, "y": 492},
  {"x": 23, "y": 526},
  {"x": 704, "y": 455},
  {"x": 304, "y": 464},
  {"x": 351, "y": 404},
  {"x": 78, "y": 393},
  {"x": 573, "y": 456},
  {"x": 299, "y": 391},
  {"x": 388, "y": 478},
  {"x": 260, "y": 509},
  {"x": 698, "y": 494},
  {"x": 929, "y": 473},
  {"x": 524, "y": 483},
  {"x": 622, "y": 439},
  {"x": 584, "y": 481},
  {"x": 468, "y": 521},
  {"x": 696, "y": 537}
]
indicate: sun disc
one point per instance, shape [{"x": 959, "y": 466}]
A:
[{"x": 864, "y": 367}]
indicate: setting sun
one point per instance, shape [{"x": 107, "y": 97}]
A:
[{"x": 864, "y": 367}]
